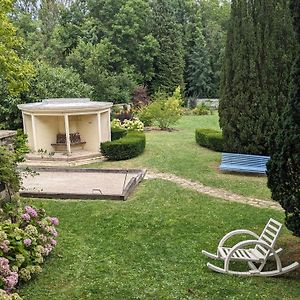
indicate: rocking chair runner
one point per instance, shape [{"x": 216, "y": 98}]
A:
[{"x": 255, "y": 257}]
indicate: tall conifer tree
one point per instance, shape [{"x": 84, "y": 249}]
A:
[
  {"x": 198, "y": 75},
  {"x": 169, "y": 64},
  {"x": 284, "y": 166},
  {"x": 256, "y": 73}
]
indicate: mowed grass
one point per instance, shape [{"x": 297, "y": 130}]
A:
[
  {"x": 177, "y": 152},
  {"x": 149, "y": 247}
]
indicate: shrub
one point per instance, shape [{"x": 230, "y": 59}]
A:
[
  {"x": 133, "y": 125},
  {"x": 140, "y": 96},
  {"x": 210, "y": 138},
  {"x": 9, "y": 175},
  {"x": 116, "y": 123},
  {"x": 192, "y": 103},
  {"x": 124, "y": 114},
  {"x": 117, "y": 133},
  {"x": 20, "y": 145},
  {"x": 165, "y": 110},
  {"x": 27, "y": 236},
  {"x": 145, "y": 116},
  {"x": 132, "y": 145},
  {"x": 201, "y": 109}
]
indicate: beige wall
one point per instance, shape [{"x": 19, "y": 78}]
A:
[
  {"x": 74, "y": 123},
  {"x": 88, "y": 129},
  {"x": 46, "y": 131}
]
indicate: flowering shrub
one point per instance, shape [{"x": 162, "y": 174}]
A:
[
  {"x": 24, "y": 243},
  {"x": 116, "y": 123},
  {"x": 165, "y": 110},
  {"x": 5, "y": 296},
  {"x": 133, "y": 125}
]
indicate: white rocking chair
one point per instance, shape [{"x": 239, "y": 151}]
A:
[{"x": 255, "y": 257}]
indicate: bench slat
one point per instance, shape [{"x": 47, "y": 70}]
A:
[{"x": 243, "y": 163}]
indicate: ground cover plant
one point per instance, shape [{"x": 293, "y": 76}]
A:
[
  {"x": 150, "y": 248},
  {"x": 177, "y": 152}
]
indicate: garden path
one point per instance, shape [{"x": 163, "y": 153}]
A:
[{"x": 214, "y": 192}]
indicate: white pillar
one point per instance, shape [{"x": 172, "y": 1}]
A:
[
  {"x": 99, "y": 128},
  {"x": 67, "y": 130},
  {"x": 109, "y": 125},
  {"x": 24, "y": 123},
  {"x": 34, "y": 133}
]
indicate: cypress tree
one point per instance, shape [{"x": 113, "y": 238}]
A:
[
  {"x": 284, "y": 166},
  {"x": 169, "y": 64},
  {"x": 256, "y": 74}
]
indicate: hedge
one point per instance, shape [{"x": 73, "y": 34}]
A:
[
  {"x": 132, "y": 145},
  {"x": 210, "y": 138},
  {"x": 117, "y": 133}
]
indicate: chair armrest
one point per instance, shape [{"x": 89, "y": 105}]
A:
[
  {"x": 248, "y": 243},
  {"x": 236, "y": 232}
]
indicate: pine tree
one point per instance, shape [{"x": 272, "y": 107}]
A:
[
  {"x": 169, "y": 64},
  {"x": 256, "y": 73},
  {"x": 284, "y": 166},
  {"x": 198, "y": 72}
]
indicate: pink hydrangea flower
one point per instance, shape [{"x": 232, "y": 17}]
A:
[
  {"x": 4, "y": 246},
  {"x": 31, "y": 211},
  {"x": 26, "y": 217},
  {"x": 54, "y": 221},
  {"x": 27, "y": 242},
  {"x": 53, "y": 242},
  {"x": 11, "y": 281},
  {"x": 47, "y": 249},
  {"x": 4, "y": 266},
  {"x": 52, "y": 231}
]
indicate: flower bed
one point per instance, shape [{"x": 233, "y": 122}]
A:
[{"x": 27, "y": 237}]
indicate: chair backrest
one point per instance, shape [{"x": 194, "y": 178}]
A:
[{"x": 269, "y": 235}]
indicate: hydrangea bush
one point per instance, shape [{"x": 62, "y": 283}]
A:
[
  {"x": 132, "y": 125},
  {"x": 26, "y": 239}
]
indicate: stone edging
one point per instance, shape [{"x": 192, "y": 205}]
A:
[{"x": 214, "y": 192}]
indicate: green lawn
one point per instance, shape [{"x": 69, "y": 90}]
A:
[
  {"x": 177, "y": 152},
  {"x": 149, "y": 248}
]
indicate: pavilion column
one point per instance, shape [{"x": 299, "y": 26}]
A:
[
  {"x": 34, "y": 133},
  {"x": 24, "y": 123},
  {"x": 109, "y": 125},
  {"x": 67, "y": 130},
  {"x": 99, "y": 128}
]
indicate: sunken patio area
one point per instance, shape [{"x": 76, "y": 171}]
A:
[{"x": 71, "y": 183}]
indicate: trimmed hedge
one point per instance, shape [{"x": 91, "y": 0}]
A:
[
  {"x": 132, "y": 145},
  {"x": 210, "y": 138},
  {"x": 117, "y": 133}
]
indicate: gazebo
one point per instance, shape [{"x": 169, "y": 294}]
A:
[{"x": 66, "y": 125}]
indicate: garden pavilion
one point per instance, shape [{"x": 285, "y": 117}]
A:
[{"x": 66, "y": 125}]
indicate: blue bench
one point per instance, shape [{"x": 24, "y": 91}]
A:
[{"x": 246, "y": 163}]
